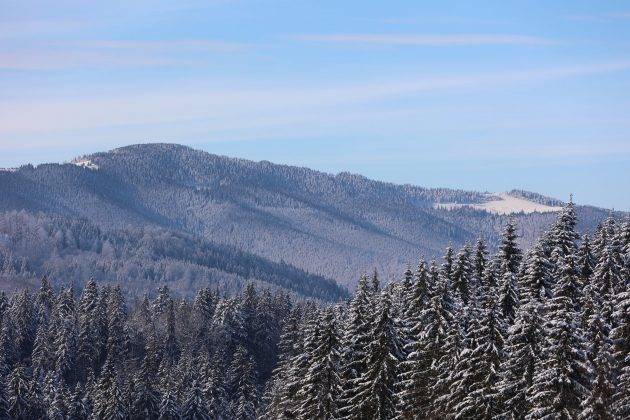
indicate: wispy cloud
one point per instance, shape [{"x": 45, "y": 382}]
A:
[
  {"x": 59, "y": 55},
  {"x": 605, "y": 17},
  {"x": 426, "y": 40},
  {"x": 238, "y": 109}
]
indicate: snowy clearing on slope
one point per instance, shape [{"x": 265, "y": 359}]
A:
[
  {"x": 507, "y": 204},
  {"x": 85, "y": 163}
]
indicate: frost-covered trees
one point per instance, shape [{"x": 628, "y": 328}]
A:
[{"x": 540, "y": 335}]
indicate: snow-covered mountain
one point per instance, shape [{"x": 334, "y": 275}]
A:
[{"x": 336, "y": 226}]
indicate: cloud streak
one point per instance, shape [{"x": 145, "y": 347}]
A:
[
  {"x": 236, "y": 109},
  {"x": 427, "y": 40},
  {"x": 606, "y": 17},
  {"x": 60, "y": 55}
]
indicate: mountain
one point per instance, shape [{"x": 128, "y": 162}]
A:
[{"x": 335, "y": 226}]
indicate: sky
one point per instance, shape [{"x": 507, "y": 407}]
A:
[{"x": 477, "y": 95}]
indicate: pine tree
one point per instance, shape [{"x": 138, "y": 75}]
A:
[
  {"x": 486, "y": 342},
  {"x": 321, "y": 386},
  {"x": 108, "y": 401},
  {"x": 213, "y": 387},
  {"x": 65, "y": 340},
  {"x": 290, "y": 345},
  {"x": 522, "y": 348},
  {"x": 243, "y": 389},
  {"x": 146, "y": 401},
  {"x": 561, "y": 373},
  {"x": 463, "y": 275},
  {"x": 508, "y": 293},
  {"x": 563, "y": 236},
  {"x": 18, "y": 392},
  {"x": 480, "y": 262},
  {"x": 194, "y": 407},
  {"x": 620, "y": 336},
  {"x": 355, "y": 342},
  {"x": 169, "y": 407},
  {"x": 509, "y": 252},
  {"x": 116, "y": 317},
  {"x": 77, "y": 408},
  {"x": 586, "y": 260},
  {"x": 4, "y": 399},
  {"x": 426, "y": 322},
  {"x": 597, "y": 405},
  {"x": 375, "y": 392},
  {"x": 89, "y": 334},
  {"x": 537, "y": 282}
]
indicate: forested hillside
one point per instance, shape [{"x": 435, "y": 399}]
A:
[
  {"x": 538, "y": 334},
  {"x": 331, "y": 225},
  {"x": 139, "y": 259}
]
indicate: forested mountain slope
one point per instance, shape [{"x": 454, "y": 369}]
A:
[
  {"x": 332, "y": 225},
  {"x": 140, "y": 260}
]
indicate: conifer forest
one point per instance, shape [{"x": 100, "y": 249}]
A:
[{"x": 542, "y": 333}]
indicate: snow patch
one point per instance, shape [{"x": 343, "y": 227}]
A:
[
  {"x": 86, "y": 163},
  {"x": 506, "y": 204},
  {"x": 8, "y": 169}
]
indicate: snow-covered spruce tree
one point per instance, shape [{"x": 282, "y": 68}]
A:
[
  {"x": 356, "y": 338},
  {"x": 620, "y": 336},
  {"x": 45, "y": 300},
  {"x": 65, "y": 340},
  {"x": 278, "y": 392},
  {"x": 21, "y": 310},
  {"x": 585, "y": 260},
  {"x": 4, "y": 399},
  {"x": 450, "y": 387},
  {"x": 41, "y": 357},
  {"x": 463, "y": 275},
  {"x": 509, "y": 260},
  {"x": 243, "y": 386},
  {"x": 18, "y": 394},
  {"x": 561, "y": 379},
  {"x": 375, "y": 389},
  {"x": 522, "y": 349},
  {"x": 169, "y": 405},
  {"x": 509, "y": 250},
  {"x": 607, "y": 277},
  {"x": 563, "y": 236},
  {"x": 213, "y": 387},
  {"x": 597, "y": 405},
  {"x": 89, "y": 320},
  {"x": 145, "y": 400},
  {"x": 116, "y": 317},
  {"x": 108, "y": 398},
  {"x": 427, "y": 322},
  {"x": 194, "y": 407},
  {"x": 77, "y": 408},
  {"x": 480, "y": 262},
  {"x": 507, "y": 293},
  {"x": 485, "y": 343},
  {"x": 321, "y": 387},
  {"x": 537, "y": 279}
]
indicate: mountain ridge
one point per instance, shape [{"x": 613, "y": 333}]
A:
[{"x": 333, "y": 225}]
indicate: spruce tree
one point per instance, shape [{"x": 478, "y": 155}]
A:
[
  {"x": 375, "y": 392},
  {"x": 194, "y": 407},
  {"x": 620, "y": 336},
  {"x": 242, "y": 385},
  {"x": 355, "y": 342},
  {"x": 321, "y": 386},
  {"x": 560, "y": 380},
  {"x": 463, "y": 275},
  {"x": 18, "y": 394}
]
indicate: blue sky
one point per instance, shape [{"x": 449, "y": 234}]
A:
[{"x": 483, "y": 95}]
